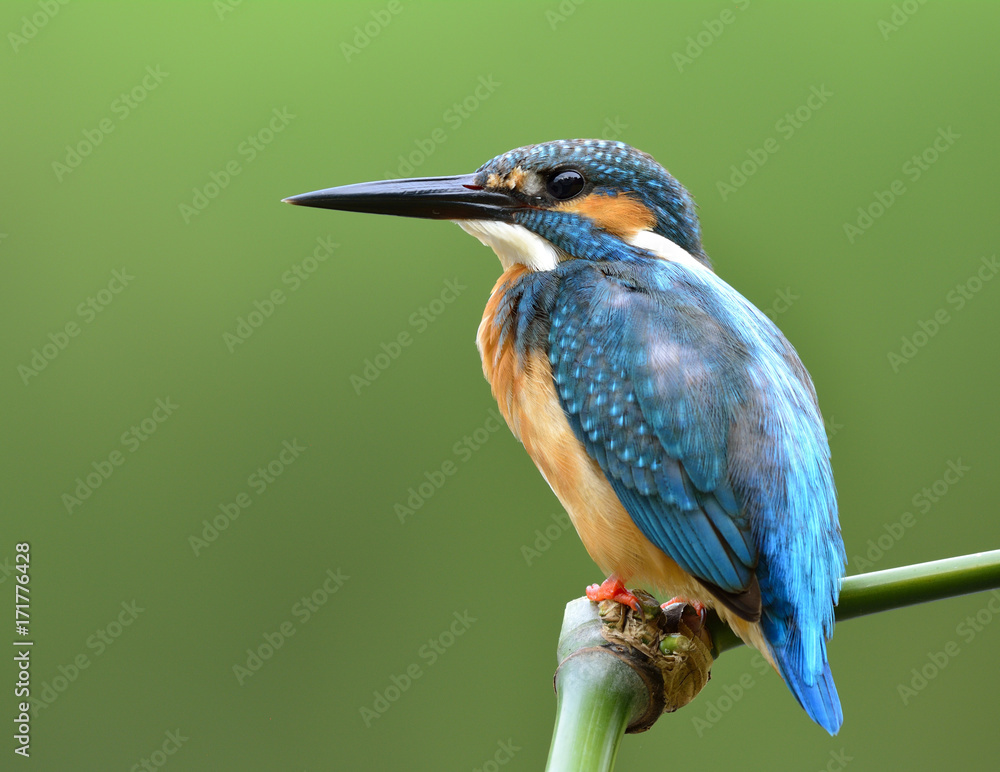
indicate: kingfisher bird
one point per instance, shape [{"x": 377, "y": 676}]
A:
[{"x": 673, "y": 420}]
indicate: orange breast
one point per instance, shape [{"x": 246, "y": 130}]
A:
[{"x": 526, "y": 395}]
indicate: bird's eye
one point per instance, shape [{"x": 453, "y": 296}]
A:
[{"x": 565, "y": 184}]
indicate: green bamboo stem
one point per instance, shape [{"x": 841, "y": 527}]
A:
[
  {"x": 600, "y": 694},
  {"x": 898, "y": 587},
  {"x": 591, "y": 716},
  {"x": 906, "y": 586}
]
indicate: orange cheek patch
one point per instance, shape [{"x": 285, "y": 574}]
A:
[{"x": 620, "y": 215}]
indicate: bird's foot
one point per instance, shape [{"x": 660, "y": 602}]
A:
[
  {"x": 612, "y": 589},
  {"x": 696, "y": 621}
]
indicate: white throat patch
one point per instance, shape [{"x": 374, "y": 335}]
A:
[
  {"x": 514, "y": 244},
  {"x": 665, "y": 249}
]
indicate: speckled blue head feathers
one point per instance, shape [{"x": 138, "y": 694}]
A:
[{"x": 619, "y": 191}]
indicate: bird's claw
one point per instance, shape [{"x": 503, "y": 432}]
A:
[
  {"x": 694, "y": 624},
  {"x": 612, "y": 589}
]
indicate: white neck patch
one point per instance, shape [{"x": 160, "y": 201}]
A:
[
  {"x": 665, "y": 249},
  {"x": 514, "y": 244}
]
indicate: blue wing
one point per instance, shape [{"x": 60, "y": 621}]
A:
[
  {"x": 705, "y": 422},
  {"x": 652, "y": 385}
]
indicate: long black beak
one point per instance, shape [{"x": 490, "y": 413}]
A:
[{"x": 435, "y": 198}]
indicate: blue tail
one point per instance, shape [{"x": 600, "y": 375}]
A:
[{"x": 816, "y": 693}]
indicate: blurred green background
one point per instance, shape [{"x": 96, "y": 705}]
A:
[{"x": 156, "y": 141}]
